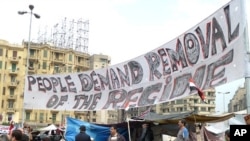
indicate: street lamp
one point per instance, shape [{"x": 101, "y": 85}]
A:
[
  {"x": 224, "y": 99},
  {"x": 31, "y": 7}
]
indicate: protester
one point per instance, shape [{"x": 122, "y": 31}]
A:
[
  {"x": 25, "y": 137},
  {"x": 11, "y": 127},
  {"x": 147, "y": 133},
  {"x": 16, "y": 135},
  {"x": 114, "y": 135},
  {"x": 30, "y": 133},
  {"x": 227, "y": 135},
  {"x": 183, "y": 134},
  {"x": 82, "y": 136},
  {"x": 45, "y": 138}
]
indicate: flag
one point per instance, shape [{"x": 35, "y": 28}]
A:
[
  {"x": 194, "y": 87},
  {"x": 126, "y": 106}
]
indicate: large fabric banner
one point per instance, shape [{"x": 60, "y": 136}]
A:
[{"x": 212, "y": 53}]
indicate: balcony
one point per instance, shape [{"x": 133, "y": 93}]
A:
[
  {"x": 28, "y": 110},
  {"x": 80, "y": 112},
  {"x": 58, "y": 60},
  {"x": 84, "y": 64},
  {"x": 13, "y": 72},
  {"x": 10, "y": 110},
  {"x": 13, "y": 84},
  {"x": 14, "y": 59},
  {"x": 12, "y": 97},
  {"x": 33, "y": 58},
  {"x": 32, "y": 70}
]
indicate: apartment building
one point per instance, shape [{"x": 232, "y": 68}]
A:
[
  {"x": 191, "y": 103},
  {"x": 99, "y": 61},
  {"x": 44, "y": 59},
  {"x": 239, "y": 100}
]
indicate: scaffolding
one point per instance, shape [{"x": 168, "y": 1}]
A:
[{"x": 75, "y": 36}]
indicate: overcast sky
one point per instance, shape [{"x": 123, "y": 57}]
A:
[{"x": 122, "y": 29}]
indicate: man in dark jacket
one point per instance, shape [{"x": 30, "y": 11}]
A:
[
  {"x": 147, "y": 133},
  {"x": 82, "y": 136},
  {"x": 114, "y": 135}
]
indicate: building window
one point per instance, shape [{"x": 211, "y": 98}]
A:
[
  {"x": 12, "y": 78},
  {"x": 45, "y": 53},
  {"x": 11, "y": 104},
  {"x": 14, "y": 54},
  {"x": 195, "y": 108},
  {"x": 181, "y": 109},
  {"x": 203, "y": 108},
  {"x": 70, "y": 69},
  {"x": 70, "y": 57},
  {"x": 185, "y": 101},
  {"x": 93, "y": 120},
  {"x": 210, "y": 109},
  {"x": 53, "y": 117},
  {"x": 41, "y": 116},
  {"x": 195, "y": 100},
  {"x": 12, "y": 91},
  {"x": 1, "y": 52},
  {"x": 179, "y": 101},
  {"x": 27, "y": 116},
  {"x": 4, "y": 90},
  {"x": 32, "y": 52},
  {"x": 103, "y": 60},
  {"x": 9, "y": 117},
  {"x": 44, "y": 65},
  {"x": 2, "y": 104},
  {"x": 1, "y": 64}
]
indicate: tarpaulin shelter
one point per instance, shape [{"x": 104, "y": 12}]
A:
[
  {"x": 161, "y": 124},
  {"x": 190, "y": 117}
]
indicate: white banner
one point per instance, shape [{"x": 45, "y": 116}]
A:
[{"x": 212, "y": 53}]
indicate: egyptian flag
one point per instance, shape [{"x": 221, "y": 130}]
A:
[
  {"x": 194, "y": 87},
  {"x": 126, "y": 106}
]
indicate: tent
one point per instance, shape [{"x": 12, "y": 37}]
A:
[
  {"x": 190, "y": 117},
  {"x": 50, "y": 127},
  {"x": 161, "y": 124}
]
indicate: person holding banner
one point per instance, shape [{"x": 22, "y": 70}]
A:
[{"x": 114, "y": 135}]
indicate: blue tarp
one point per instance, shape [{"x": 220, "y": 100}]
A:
[{"x": 97, "y": 132}]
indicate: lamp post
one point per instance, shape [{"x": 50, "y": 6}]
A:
[
  {"x": 224, "y": 110},
  {"x": 31, "y": 7}
]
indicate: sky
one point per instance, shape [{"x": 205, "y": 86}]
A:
[{"x": 122, "y": 29}]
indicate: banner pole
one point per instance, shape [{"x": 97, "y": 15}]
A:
[{"x": 128, "y": 128}]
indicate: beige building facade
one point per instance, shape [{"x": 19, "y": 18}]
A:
[
  {"x": 43, "y": 59},
  {"x": 239, "y": 100}
]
